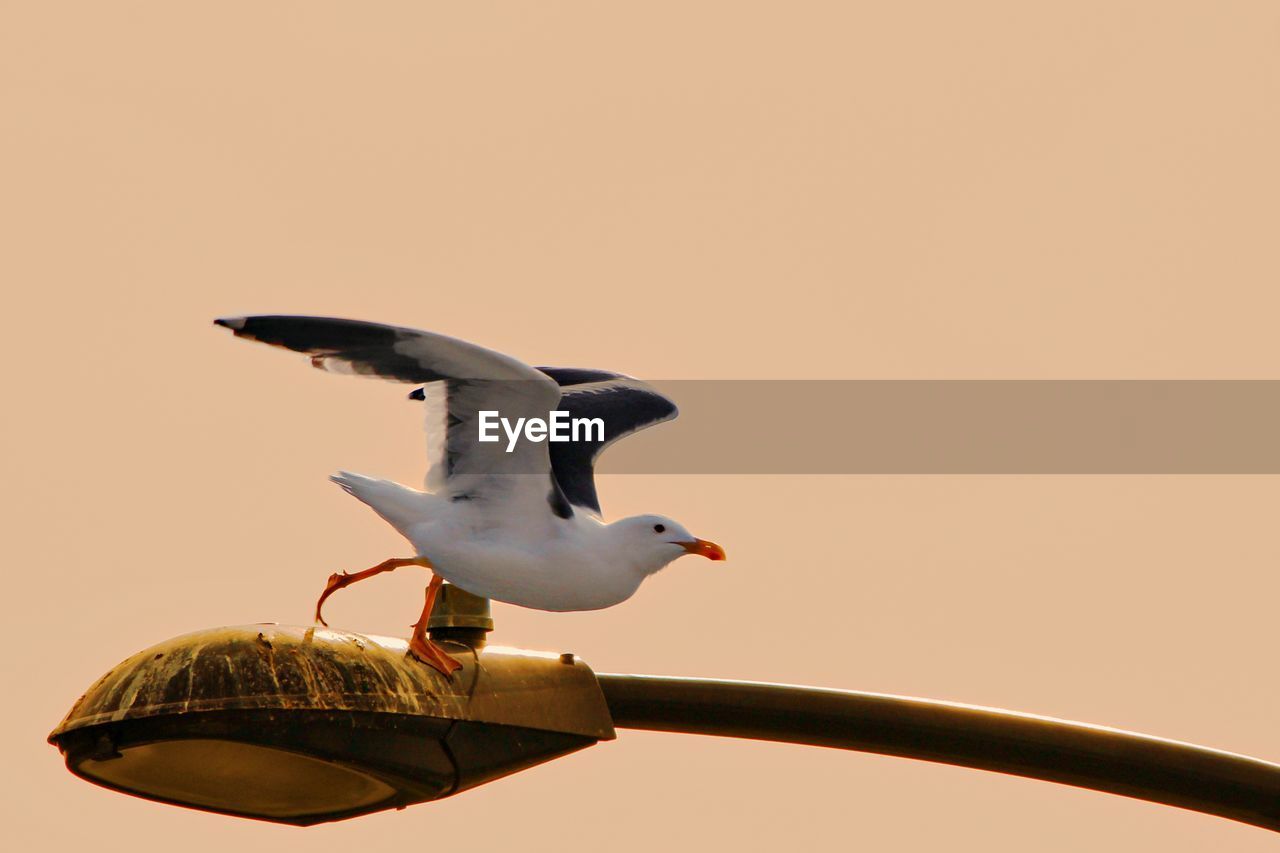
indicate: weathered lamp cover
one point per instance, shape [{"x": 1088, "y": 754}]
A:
[{"x": 303, "y": 725}]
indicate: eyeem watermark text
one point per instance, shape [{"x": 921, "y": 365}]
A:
[{"x": 559, "y": 426}]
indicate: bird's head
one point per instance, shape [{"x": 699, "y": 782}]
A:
[{"x": 654, "y": 541}]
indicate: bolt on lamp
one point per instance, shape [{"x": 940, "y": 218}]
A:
[{"x": 304, "y": 725}]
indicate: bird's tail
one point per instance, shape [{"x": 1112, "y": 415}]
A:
[{"x": 400, "y": 506}]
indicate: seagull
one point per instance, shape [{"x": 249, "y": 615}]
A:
[{"x": 518, "y": 522}]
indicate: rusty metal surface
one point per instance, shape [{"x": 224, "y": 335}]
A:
[{"x": 293, "y": 667}]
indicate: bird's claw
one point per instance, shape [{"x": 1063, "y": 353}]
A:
[
  {"x": 339, "y": 580},
  {"x": 430, "y": 653},
  {"x": 336, "y": 581}
]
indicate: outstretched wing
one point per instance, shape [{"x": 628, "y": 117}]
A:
[
  {"x": 624, "y": 404},
  {"x": 464, "y": 379}
]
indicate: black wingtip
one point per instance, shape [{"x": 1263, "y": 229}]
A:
[
  {"x": 235, "y": 324},
  {"x": 418, "y": 394}
]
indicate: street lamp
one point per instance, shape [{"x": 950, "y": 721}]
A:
[{"x": 306, "y": 725}]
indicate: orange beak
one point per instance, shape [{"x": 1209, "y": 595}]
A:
[{"x": 703, "y": 548}]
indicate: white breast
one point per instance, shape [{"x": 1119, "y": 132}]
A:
[{"x": 568, "y": 564}]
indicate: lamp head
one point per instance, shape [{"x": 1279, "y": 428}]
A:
[{"x": 305, "y": 725}]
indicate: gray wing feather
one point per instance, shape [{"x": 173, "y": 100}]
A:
[{"x": 464, "y": 378}]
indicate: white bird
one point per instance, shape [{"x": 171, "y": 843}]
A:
[{"x": 519, "y": 524}]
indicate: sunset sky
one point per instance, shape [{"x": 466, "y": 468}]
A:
[{"x": 692, "y": 190}]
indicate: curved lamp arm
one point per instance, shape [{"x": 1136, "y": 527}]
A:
[{"x": 1118, "y": 762}]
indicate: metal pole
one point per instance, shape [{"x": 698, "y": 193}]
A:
[{"x": 1118, "y": 762}]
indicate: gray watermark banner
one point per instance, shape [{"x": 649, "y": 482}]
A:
[{"x": 959, "y": 427}]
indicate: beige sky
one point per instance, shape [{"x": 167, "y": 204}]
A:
[{"x": 675, "y": 190}]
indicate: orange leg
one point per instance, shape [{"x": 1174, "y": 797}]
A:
[
  {"x": 339, "y": 580},
  {"x": 427, "y": 650}
]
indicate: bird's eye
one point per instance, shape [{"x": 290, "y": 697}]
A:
[{"x": 659, "y": 528}]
